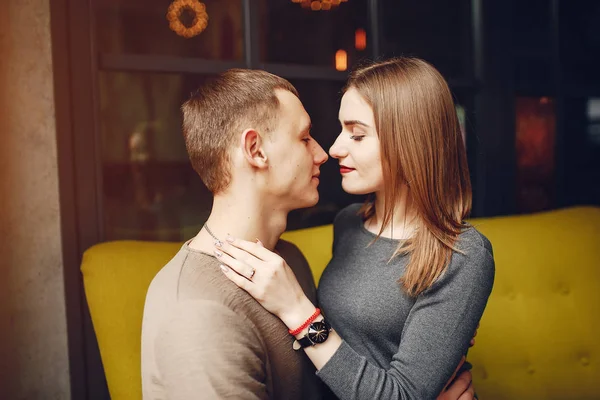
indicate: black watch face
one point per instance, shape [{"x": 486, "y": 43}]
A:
[{"x": 318, "y": 332}]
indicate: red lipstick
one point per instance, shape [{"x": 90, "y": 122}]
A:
[{"x": 345, "y": 170}]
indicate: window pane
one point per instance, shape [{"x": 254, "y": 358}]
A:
[
  {"x": 464, "y": 104},
  {"x": 141, "y": 27},
  {"x": 150, "y": 190},
  {"x": 437, "y": 31},
  {"x": 581, "y": 150},
  {"x": 580, "y": 41},
  {"x": 535, "y": 141},
  {"x": 294, "y": 34},
  {"x": 532, "y": 44}
]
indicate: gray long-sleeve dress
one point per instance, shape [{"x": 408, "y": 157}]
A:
[{"x": 395, "y": 346}]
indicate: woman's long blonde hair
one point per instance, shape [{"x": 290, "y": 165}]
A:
[{"x": 422, "y": 148}]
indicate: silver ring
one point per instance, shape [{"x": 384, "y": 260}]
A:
[{"x": 252, "y": 273}]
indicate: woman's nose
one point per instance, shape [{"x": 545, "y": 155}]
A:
[{"x": 337, "y": 149}]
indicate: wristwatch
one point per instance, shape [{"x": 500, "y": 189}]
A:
[{"x": 318, "y": 332}]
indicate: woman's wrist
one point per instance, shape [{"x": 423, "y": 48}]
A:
[{"x": 296, "y": 316}]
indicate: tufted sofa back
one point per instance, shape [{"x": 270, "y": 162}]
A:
[{"x": 540, "y": 333}]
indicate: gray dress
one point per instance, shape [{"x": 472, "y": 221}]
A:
[{"x": 395, "y": 346}]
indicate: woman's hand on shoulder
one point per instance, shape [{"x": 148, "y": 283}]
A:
[{"x": 267, "y": 277}]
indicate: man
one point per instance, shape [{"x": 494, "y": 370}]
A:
[{"x": 248, "y": 137}]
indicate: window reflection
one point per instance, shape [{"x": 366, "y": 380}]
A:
[
  {"x": 535, "y": 141},
  {"x": 593, "y": 117},
  {"x": 151, "y": 191},
  {"x": 292, "y": 34},
  {"x": 580, "y": 150},
  {"x": 437, "y": 31},
  {"x": 142, "y": 27}
]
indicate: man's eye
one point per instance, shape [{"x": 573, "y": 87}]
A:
[{"x": 306, "y": 140}]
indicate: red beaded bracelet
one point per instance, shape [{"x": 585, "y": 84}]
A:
[{"x": 306, "y": 323}]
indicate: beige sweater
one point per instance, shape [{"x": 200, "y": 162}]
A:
[{"x": 204, "y": 338}]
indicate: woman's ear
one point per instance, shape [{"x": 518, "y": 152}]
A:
[{"x": 253, "y": 149}]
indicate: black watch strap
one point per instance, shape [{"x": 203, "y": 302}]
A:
[{"x": 302, "y": 343}]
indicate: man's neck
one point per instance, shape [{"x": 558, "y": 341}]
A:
[{"x": 245, "y": 218}]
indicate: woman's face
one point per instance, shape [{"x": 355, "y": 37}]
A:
[{"x": 357, "y": 146}]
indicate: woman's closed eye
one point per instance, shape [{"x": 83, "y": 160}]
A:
[{"x": 357, "y": 137}]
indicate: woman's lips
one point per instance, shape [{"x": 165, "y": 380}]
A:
[{"x": 345, "y": 170}]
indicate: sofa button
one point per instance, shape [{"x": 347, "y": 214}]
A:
[
  {"x": 530, "y": 370},
  {"x": 565, "y": 290},
  {"x": 484, "y": 374},
  {"x": 585, "y": 361},
  {"x": 512, "y": 295}
]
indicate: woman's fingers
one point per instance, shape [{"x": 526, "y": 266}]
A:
[
  {"x": 469, "y": 394},
  {"x": 239, "y": 254},
  {"x": 238, "y": 267},
  {"x": 239, "y": 280},
  {"x": 472, "y": 343},
  {"x": 253, "y": 248}
]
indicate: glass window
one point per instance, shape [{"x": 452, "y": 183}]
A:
[
  {"x": 593, "y": 117},
  {"x": 150, "y": 190},
  {"x": 293, "y": 33},
  {"x": 580, "y": 41},
  {"x": 535, "y": 144},
  {"x": 143, "y": 27},
  {"x": 464, "y": 104},
  {"x": 437, "y": 31},
  {"x": 580, "y": 150}
]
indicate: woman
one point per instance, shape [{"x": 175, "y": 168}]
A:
[{"x": 409, "y": 279}]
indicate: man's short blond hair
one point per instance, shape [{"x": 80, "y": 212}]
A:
[{"x": 222, "y": 109}]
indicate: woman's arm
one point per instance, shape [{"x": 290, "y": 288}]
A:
[{"x": 435, "y": 337}]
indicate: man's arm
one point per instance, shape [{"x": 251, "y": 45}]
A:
[{"x": 207, "y": 351}]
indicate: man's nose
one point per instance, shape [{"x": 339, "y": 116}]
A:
[{"x": 321, "y": 155}]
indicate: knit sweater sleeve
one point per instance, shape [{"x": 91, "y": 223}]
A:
[{"x": 435, "y": 336}]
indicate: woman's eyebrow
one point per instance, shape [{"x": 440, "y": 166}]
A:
[{"x": 355, "y": 122}]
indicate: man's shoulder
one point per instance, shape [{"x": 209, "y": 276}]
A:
[
  {"x": 166, "y": 278},
  {"x": 193, "y": 275}
]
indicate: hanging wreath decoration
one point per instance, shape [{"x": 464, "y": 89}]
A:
[
  {"x": 318, "y": 5},
  {"x": 199, "y": 23}
]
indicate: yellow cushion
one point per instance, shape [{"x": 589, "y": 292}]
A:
[
  {"x": 536, "y": 337},
  {"x": 316, "y": 245},
  {"x": 116, "y": 276},
  {"x": 539, "y": 334}
]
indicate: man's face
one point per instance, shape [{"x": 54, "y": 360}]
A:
[{"x": 294, "y": 156}]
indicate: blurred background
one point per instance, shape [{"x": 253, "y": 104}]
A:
[{"x": 91, "y": 147}]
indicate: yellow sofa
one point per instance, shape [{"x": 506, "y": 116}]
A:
[{"x": 539, "y": 336}]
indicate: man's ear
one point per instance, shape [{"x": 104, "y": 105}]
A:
[{"x": 252, "y": 148}]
